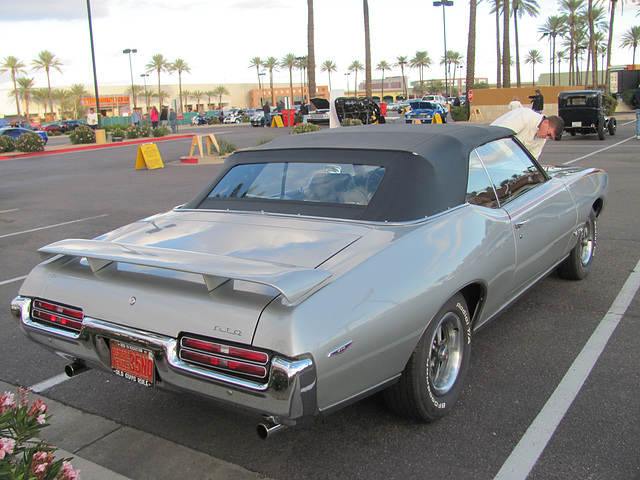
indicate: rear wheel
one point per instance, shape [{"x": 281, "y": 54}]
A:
[
  {"x": 578, "y": 263},
  {"x": 434, "y": 375},
  {"x": 612, "y": 126}
]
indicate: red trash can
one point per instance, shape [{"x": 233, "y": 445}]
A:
[{"x": 383, "y": 108}]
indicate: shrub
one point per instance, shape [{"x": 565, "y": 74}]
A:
[
  {"x": 134, "y": 131},
  {"x": 264, "y": 140},
  {"x": 6, "y": 144},
  {"x": 214, "y": 121},
  {"x": 83, "y": 134},
  {"x": 350, "y": 122},
  {"x": 459, "y": 114},
  {"x": 160, "y": 131},
  {"x": 610, "y": 105},
  {"x": 30, "y": 142},
  {"x": 246, "y": 118},
  {"x": 626, "y": 97},
  {"x": 118, "y": 132},
  {"x": 23, "y": 455},
  {"x": 306, "y": 128},
  {"x": 226, "y": 146}
]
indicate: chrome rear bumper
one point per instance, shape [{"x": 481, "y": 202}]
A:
[{"x": 287, "y": 397}]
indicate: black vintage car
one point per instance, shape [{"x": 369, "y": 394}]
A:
[{"x": 584, "y": 112}]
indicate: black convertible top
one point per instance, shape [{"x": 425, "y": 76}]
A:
[{"x": 426, "y": 167}]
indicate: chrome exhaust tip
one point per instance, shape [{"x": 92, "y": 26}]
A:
[
  {"x": 75, "y": 368},
  {"x": 265, "y": 431}
]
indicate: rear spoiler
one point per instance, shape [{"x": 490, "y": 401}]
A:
[{"x": 291, "y": 281}]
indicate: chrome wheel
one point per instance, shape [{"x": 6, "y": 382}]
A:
[
  {"x": 586, "y": 243},
  {"x": 445, "y": 360}
]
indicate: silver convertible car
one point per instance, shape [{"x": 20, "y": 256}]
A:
[{"x": 320, "y": 268}]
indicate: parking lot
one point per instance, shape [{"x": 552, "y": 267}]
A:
[{"x": 552, "y": 390}]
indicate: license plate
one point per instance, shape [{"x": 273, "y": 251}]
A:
[
  {"x": 133, "y": 363},
  {"x": 576, "y": 124}
]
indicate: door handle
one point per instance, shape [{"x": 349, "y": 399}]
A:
[{"x": 521, "y": 224}]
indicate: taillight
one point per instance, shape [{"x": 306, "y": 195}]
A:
[
  {"x": 63, "y": 316},
  {"x": 229, "y": 358}
]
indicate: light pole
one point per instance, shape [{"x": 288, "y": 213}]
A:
[
  {"x": 146, "y": 97},
  {"x": 347, "y": 75},
  {"x": 444, "y": 3},
  {"x": 93, "y": 60},
  {"x": 299, "y": 60},
  {"x": 260, "y": 74},
  {"x": 129, "y": 51}
]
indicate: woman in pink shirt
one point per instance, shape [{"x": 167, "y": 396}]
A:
[{"x": 154, "y": 117}]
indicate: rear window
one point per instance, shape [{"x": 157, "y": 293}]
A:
[{"x": 345, "y": 184}]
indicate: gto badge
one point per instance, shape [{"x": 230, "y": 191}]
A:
[
  {"x": 219, "y": 328},
  {"x": 132, "y": 301}
]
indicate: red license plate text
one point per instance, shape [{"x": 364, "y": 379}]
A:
[{"x": 133, "y": 363}]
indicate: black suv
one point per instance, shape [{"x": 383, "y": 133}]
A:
[
  {"x": 68, "y": 125},
  {"x": 583, "y": 112}
]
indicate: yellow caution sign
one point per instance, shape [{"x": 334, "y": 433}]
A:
[
  {"x": 278, "y": 121},
  {"x": 148, "y": 157},
  {"x": 210, "y": 139},
  {"x": 416, "y": 121},
  {"x": 436, "y": 118}
]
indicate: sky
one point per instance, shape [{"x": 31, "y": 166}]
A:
[{"x": 218, "y": 38}]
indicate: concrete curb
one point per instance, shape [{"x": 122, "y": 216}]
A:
[{"x": 96, "y": 447}]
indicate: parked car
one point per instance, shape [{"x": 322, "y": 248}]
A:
[
  {"x": 435, "y": 98},
  {"x": 69, "y": 125},
  {"x": 584, "y": 112},
  {"x": 425, "y": 111},
  {"x": 233, "y": 118},
  {"x": 51, "y": 128},
  {"x": 317, "y": 269},
  {"x": 321, "y": 112},
  {"x": 15, "y": 132},
  {"x": 257, "y": 119}
]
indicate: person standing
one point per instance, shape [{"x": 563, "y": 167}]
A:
[
  {"x": 154, "y": 117},
  {"x": 164, "y": 116},
  {"x": 304, "y": 111},
  {"x": 267, "y": 114},
  {"x": 135, "y": 117},
  {"x": 515, "y": 103},
  {"x": 92, "y": 118},
  {"x": 635, "y": 101},
  {"x": 173, "y": 120},
  {"x": 531, "y": 128},
  {"x": 537, "y": 101}
]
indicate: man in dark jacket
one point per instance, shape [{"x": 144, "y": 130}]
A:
[
  {"x": 537, "y": 101},
  {"x": 635, "y": 101},
  {"x": 267, "y": 114}
]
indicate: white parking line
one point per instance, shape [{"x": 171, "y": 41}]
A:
[
  {"x": 532, "y": 444},
  {"x": 52, "y": 226},
  {"x": 51, "y": 382},
  {"x": 598, "y": 151},
  {"x": 11, "y": 280},
  {"x": 7, "y": 211}
]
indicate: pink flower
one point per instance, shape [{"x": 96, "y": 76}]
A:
[
  {"x": 6, "y": 402},
  {"x": 68, "y": 473},
  {"x": 41, "y": 419},
  {"x": 6, "y": 446}
]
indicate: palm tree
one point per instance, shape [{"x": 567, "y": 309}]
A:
[
  {"x": 572, "y": 11},
  {"x": 197, "y": 94},
  {"x": 41, "y": 95},
  {"x": 355, "y": 67},
  {"x": 401, "y": 62},
  {"x": 329, "y": 67},
  {"x": 209, "y": 94},
  {"x": 497, "y": 8},
  {"x": 383, "y": 66},
  {"x": 63, "y": 97},
  {"x": 533, "y": 57},
  {"x": 301, "y": 66},
  {"x": 158, "y": 64},
  {"x": 367, "y": 51},
  {"x": 420, "y": 61},
  {"x": 25, "y": 89},
  {"x": 560, "y": 56},
  {"x": 221, "y": 90},
  {"x": 148, "y": 94},
  {"x": 471, "y": 51},
  {"x": 186, "y": 95},
  {"x": 77, "y": 92},
  {"x": 270, "y": 64},
  {"x": 289, "y": 61},
  {"x": 553, "y": 27},
  {"x": 630, "y": 39},
  {"x": 257, "y": 63},
  {"x": 178, "y": 65},
  {"x": 520, "y": 8},
  {"x": 612, "y": 9},
  {"x": 506, "y": 48},
  {"x": 311, "y": 51},
  {"x": 455, "y": 59},
  {"x": 15, "y": 66},
  {"x": 47, "y": 60}
]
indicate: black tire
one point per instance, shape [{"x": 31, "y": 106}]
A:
[
  {"x": 612, "y": 126},
  {"x": 578, "y": 264},
  {"x": 601, "y": 128},
  {"x": 434, "y": 375}
]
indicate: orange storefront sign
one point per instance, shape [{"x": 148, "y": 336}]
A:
[{"x": 107, "y": 101}]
